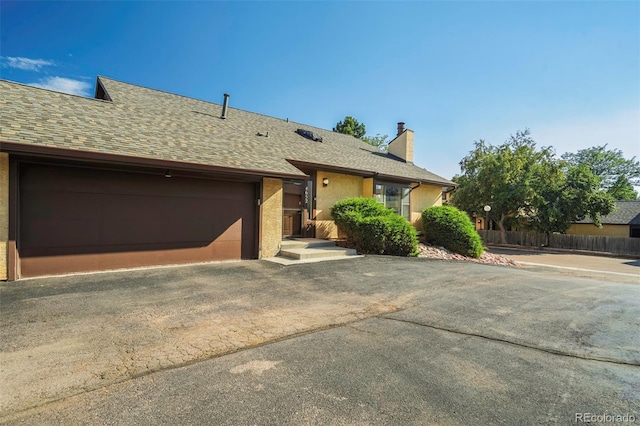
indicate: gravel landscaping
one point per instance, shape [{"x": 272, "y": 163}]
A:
[{"x": 433, "y": 252}]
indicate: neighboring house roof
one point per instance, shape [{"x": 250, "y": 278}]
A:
[
  {"x": 626, "y": 213},
  {"x": 152, "y": 124}
]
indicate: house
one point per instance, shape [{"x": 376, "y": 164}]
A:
[
  {"x": 624, "y": 221},
  {"x": 136, "y": 177}
]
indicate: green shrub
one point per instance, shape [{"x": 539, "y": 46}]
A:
[
  {"x": 349, "y": 212},
  {"x": 452, "y": 229},
  {"x": 367, "y": 207},
  {"x": 374, "y": 229}
]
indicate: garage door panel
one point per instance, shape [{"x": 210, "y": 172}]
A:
[
  {"x": 65, "y": 228},
  {"x": 95, "y": 261},
  {"x": 42, "y": 205},
  {"x": 122, "y": 220}
]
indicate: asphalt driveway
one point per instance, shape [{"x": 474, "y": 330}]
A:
[
  {"x": 82, "y": 335},
  {"x": 578, "y": 264}
]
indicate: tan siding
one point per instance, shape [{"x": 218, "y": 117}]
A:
[
  {"x": 367, "y": 187},
  {"x": 340, "y": 186},
  {"x": 402, "y": 146},
  {"x": 271, "y": 220},
  {"x": 4, "y": 213},
  {"x": 606, "y": 230},
  {"x": 422, "y": 197}
]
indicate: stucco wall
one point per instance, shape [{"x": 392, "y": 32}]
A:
[
  {"x": 606, "y": 230},
  {"x": 422, "y": 197},
  {"x": 367, "y": 187},
  {"x": 271, "y": 220},
  {"x": 402, "y": 146},
  {"x": 340, "y": 186},
  {"x": 4, "y": 213},
  {"x": 343, "y": 186}
]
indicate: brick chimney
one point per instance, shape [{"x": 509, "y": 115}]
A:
[{"x": 402, "y": 145}]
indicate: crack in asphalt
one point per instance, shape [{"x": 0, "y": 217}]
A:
[
  {"x": 26, "y": 411},
  {"x": 520, "y": 345},
  {"x": 351, "y": 324}
]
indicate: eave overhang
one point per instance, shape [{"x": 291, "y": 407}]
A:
[{"x": 50, "y": 152}]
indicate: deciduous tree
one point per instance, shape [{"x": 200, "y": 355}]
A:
[
  {"x": 520, "y": 181},
  {"x": 617, "y": 174},
  {"x": 379, "y": 141},
  {"x": 573, "y": 195}
]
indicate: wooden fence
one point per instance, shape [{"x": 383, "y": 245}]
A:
[{"x": 612, "y": 245}]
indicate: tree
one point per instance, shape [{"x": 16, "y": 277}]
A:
[
  {"x": 521, "y": 182},
  {"x": 379, "y": 141},
  {"x": 503, "y": 178},
  {"x": 572, "y": 196},
  {"x": 617, "y": 174},
  {"x": 622, "y": 189},
  {"x": 350, "y": 126}
]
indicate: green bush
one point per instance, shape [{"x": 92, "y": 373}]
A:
[
  {"x": 367, "y": 207},
  {"x": 374, "y": 229},
  {"x": 452, "y": 229},
  {"x": 349, "y": 212}
]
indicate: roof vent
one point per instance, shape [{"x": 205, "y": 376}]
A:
[
  {"x": 309, "y": 135},
  {"x": 225, "y": 105}
]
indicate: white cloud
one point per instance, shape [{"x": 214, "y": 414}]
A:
[
  {"x": 25, "y": 64},
  {"x": 65, "y": 85}
]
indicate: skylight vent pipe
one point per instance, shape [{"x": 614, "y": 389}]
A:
[{"x": 225, "y": 105}]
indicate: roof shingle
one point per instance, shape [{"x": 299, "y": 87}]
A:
[
  {"x": 626, "y": 213},
  {"x": 152, "y": 124}
]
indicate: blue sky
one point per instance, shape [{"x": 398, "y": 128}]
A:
[{"x": 455, "y": 72}]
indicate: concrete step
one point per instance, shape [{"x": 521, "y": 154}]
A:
[
  {"x": 301, "y": 243},
  {"x": 317, "y": 253}
]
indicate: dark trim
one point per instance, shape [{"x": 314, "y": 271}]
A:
[
  {"x": 315, "y": 166},
  {"x": 73, "y": 154},
  {"x": 101, "y": 92},
  {"x": 132, "y": 169},
  {"x": 13, "y": 255},
  {"x": 308, "y": 167},
  {"x": 258, "y": 219},
  {"x": 404, "y": 184},
  {"x": 391, "y": 178},
  {"x": 297, "y": 233},
  {"x": 314, "y": 211}
]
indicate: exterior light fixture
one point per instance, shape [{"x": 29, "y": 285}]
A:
[
  {"x": 487, "y": 209},
  {"x": 325, "y": 182},
  {"x": 167, "y": 174}
]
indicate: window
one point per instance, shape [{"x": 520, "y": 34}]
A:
[{"x": 395, "y": 197}]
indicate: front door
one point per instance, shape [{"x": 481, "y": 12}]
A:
[{"x": 292, "y": 208}]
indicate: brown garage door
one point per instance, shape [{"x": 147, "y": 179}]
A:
[{"x": 76, "y": 219}]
